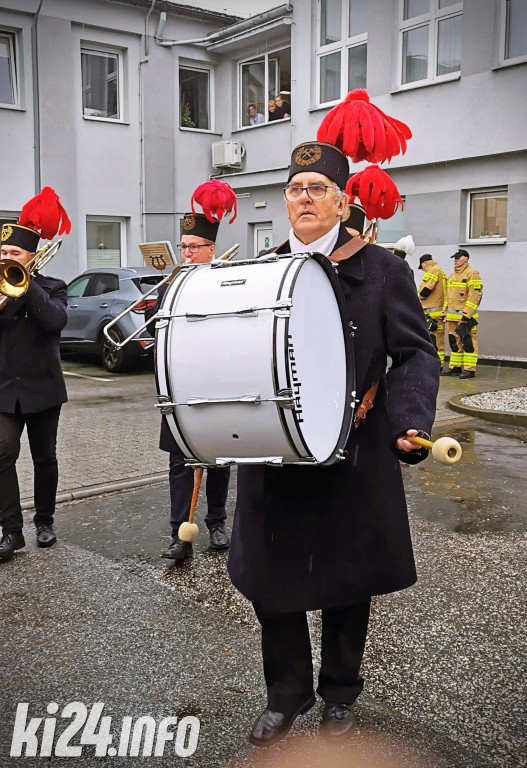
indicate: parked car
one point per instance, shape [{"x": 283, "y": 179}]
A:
[{"x": 95, "y": 298}]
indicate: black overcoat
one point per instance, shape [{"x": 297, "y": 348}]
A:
[
  {"x": 306, "y": 538},
  {"x": 30, "y": 326}
]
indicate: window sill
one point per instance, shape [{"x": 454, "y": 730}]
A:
[
  {"x": 262, "y": 125},
  {"x": 510, "y": 63},
  {"x": 93, "y": 119},
  {"x": 13, "y": 107},
  {"x": 485, "y": 241},
  {"x": 199, "y": 130},
  {"x": 426, "y": 83}
]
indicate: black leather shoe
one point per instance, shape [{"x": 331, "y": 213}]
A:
[
  {"x": 45, "y": 536},
  {"x": 337, "y": 721},
  {"x": 452, "y": 372},
  {"x": 271, "y": 726},
  {"x": 9, "y": 543},
  {"x": 219, "y": 538},
  {"x": 178, "y": 550},
  {"x": 467, "y": 375}
]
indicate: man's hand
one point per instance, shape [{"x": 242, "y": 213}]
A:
[{"x": 402, "y": 444}]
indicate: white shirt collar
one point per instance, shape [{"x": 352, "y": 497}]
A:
[{"x": 324, "y": 244}]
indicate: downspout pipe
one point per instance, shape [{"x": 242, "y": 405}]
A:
[
  {"x": 142, "y": 171},
  {"x": 36, "y": 101}
]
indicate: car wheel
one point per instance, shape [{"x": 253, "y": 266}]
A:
[{"x": 114, "y": 360}]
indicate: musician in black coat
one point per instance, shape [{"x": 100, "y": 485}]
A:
[
  {"x": 32, "y": 391},
  {"x": 308, "y": 538}
]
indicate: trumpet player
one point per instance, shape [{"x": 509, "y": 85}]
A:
[{"x": 32, "y": 388}]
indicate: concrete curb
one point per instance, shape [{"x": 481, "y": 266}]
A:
[
  {"x": 98, "y": 490},
  {"x": 499, "y": 417}
]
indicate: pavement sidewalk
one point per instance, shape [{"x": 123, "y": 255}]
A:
[{"x": 108, "y": 438}]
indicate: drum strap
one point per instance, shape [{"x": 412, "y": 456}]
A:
[
  {"x": 365, "y": 406},
  {"x": 350, "y": 248}
]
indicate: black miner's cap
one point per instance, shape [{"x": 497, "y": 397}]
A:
[
  {"x": 424, "y": 257},
  {"x": 320, "y": 157},
  {"x": 198, "y": 224},
  {"x": 459, "y": 253},
  {"x": 22, "y": 237},
  {"x": 354, "y": 217}
]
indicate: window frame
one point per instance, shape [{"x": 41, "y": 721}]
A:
[
  {"x": 487, "y": 192},
  {"x": 432, "y": 19},
  {"x": 343, "y": 46},
  {"x": 198, "y": 66},
  {"x": 389, "y": 243},
  {"x": 95, "y": 48},
  {"x": 503, "y": 62},
  {"x": 12, "y": 37},
  {"x": 254, "y": 59},
  {"x": 122, "y": 236}
]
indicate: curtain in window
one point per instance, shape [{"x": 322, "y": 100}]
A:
[
  {"x": 449, "y": 45},
  {"x": 7, "y": 95}
]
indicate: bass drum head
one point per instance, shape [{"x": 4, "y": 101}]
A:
[{"x": 318, "y": 361}]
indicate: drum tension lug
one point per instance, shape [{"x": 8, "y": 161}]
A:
[
  {"x": 288, "y": 401},
  {"x": 165, "y": 405}
]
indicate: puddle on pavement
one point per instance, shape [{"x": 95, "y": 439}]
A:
[{"x": 485, "y": 491}]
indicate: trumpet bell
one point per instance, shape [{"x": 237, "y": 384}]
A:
[{"x": 14, "y": 278}]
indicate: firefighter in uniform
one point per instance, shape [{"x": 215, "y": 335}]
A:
[
  {"x": 463, "y": 296},
  {"x": 432, "y": 297}
]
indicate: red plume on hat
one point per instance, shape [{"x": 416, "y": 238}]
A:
[
  {"x": 216, "y": 198},
  {"x": 45, "y": 214},
  {"x": 363, "y": 131},
  {"x": 376, "y": 191}
]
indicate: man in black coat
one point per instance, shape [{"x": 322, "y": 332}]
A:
[
  {"x": 329, "y": 538},
  {"x": 32, "y": 391}
]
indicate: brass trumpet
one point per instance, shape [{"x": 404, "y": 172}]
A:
[{"x": 16, "y": 275}]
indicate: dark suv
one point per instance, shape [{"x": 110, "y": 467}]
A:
[{"x": 95, "y": 298}]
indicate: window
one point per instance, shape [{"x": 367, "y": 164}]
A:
[
  {"x": 514, "y": 25},
  {"x": 342, "y": 48},
  {"x": 262, "y": 80},
  {"x": 430, "y": 40},
  {"x": 7, "y": 69},
  {"x": 104, "y": 243},
  {"x": 103, "y": 283},
  {"x": 194, "y": 98},
  {"x": 101, "y": 89},
  {"x": 389, "y": 231},
  {"x": 77, "y": 287},
  {"x": 488, "y": 215}
]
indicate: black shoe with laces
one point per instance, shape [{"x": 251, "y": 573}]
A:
[
  {"x": 272, "y": 726},
  {"x": 178, "y": 550},
  {"x": 452, "y": 371},
  {"x": 45, "y": 536},
  {"x": 9, "y": 543},
  {"x": 219, "y": 538}
]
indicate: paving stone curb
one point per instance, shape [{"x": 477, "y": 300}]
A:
[
  {"x": 499, "y": 417},
  {"x": 96, "y": 490}
]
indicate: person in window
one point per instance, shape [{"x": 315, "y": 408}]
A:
[
  {"x": 283, "y": 108},
  {"x": 197, "y": 246},
  {"x": 255, "y": 117},
  {"x": 32, "y": 388},
  {"x": 273, "y": 114},
  {"x": 310, "y": 538}
]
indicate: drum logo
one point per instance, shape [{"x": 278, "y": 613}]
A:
[
  {"x": 234, "y": 282},
  {"x": 296, "y": 383}
]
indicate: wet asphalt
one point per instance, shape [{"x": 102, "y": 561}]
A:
[{"x": 101, "y": 618}]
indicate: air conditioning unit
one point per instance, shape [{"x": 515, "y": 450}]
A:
[{"x": 227, "y": 154}]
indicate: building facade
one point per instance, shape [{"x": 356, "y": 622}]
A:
[{"x": 117, "y": 105}]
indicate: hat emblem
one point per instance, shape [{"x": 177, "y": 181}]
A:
[
  {"x": 189, "y": 222},
  {"x": 7, "y": 231},
  {"x": 308, "y": 155}
]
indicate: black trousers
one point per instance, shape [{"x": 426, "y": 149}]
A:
[
  {"x": 181, "y": 480},
  {"x": 42, "y": 435},
  {"x": 287, "y": 662}
]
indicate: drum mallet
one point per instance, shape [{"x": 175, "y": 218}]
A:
[
  {"x": 189, "y": 531},
  {"x": 446, "y": 450}
]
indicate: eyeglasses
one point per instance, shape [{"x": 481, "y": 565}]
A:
[
  {"x": 194, "y": 248},
  {"x": 314, "y": 192}
]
